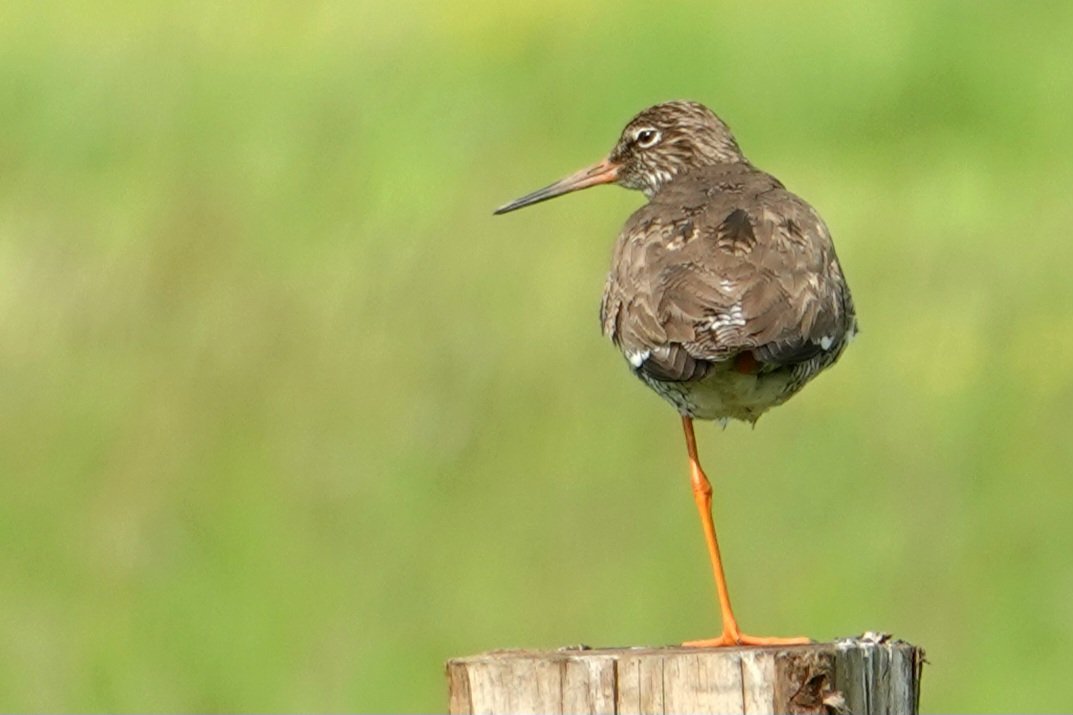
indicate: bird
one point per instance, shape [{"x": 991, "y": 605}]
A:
[{"x": 725, "y": 294}]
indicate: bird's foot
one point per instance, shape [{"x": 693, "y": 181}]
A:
[{"x": 736, "y": 638}]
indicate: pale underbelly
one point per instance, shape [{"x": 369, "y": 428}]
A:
[{"x": 725, "y": 393}]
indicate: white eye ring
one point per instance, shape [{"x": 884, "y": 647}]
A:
[{"x": 646, "y": 137}]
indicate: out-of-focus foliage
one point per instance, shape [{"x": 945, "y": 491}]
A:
[{"x": 289, "y": 418}]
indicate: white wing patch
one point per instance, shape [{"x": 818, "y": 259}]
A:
[{"x": 733, "y": 317}]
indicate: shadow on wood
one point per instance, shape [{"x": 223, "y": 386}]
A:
[{"x": 869, "y": 675}]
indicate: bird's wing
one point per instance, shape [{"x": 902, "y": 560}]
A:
[{"x": 740, "y": 271}]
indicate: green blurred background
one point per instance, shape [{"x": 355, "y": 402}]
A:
[{"x": 289, "y": 418}]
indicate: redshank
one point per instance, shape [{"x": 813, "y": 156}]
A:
[{"x": 725, "y": 294}]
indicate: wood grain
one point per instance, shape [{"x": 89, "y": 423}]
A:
[{"x": 868, "y": 675}]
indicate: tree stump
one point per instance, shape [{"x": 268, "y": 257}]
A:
[{"x": 868, "y": 675}]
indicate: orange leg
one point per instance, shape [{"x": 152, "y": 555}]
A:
[{"x": 702, "y": 495}]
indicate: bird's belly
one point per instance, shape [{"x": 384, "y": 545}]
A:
[{"x": 725, "y": 393}]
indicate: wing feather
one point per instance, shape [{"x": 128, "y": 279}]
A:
[{"x": 753, "y": 270}]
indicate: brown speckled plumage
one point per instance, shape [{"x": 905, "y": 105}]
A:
[
  {"x": 723, "y": 260},
  {"x": 725, "y": 294}
]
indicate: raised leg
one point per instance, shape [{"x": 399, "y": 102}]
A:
[{"x": 702, "y": 495}]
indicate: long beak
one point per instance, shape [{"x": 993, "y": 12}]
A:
[{"x": 604, "y": 172}]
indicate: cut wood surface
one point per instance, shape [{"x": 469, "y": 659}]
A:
[{"x": 868, "y": 675}]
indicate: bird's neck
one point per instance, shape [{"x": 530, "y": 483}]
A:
[{"x": 657, "y": 181}]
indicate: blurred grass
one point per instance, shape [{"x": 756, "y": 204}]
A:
[{"x": 289, "y": 418}]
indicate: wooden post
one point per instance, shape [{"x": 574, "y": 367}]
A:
[{"x": 868, "y": 675}]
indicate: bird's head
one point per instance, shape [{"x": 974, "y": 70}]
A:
[
  {"x": 656, "y": 145},
  {"x": 667, "y": 139}
]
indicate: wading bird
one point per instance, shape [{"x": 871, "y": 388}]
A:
[{"x": 725, "y": 294}]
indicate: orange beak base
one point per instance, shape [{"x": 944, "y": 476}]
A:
[{"x": 603, "y": 172}]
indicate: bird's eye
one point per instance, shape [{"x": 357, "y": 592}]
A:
[{"x": 646, "y": 138}]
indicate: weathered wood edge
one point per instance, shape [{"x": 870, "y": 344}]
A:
[{"x": 827, "y": 677}]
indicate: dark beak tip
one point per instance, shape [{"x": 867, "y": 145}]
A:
[
  {"x": 517, "y": 204},
  {"x": 603, "y": 172}
]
